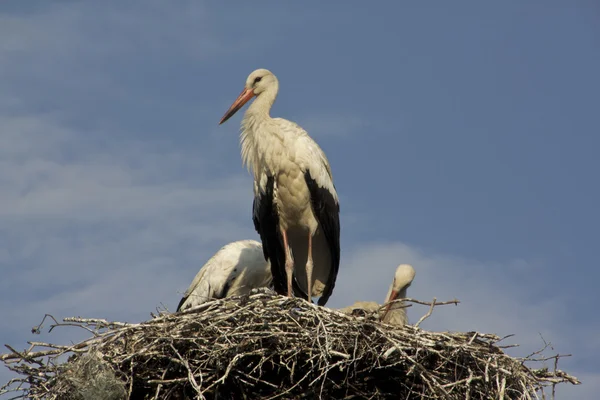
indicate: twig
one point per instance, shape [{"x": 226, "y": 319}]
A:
[{"x": 424, "y": 317}]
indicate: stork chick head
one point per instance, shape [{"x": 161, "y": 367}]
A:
[
  {"x": 403, "y": 277},
  {"x": 258, "y": 82}
]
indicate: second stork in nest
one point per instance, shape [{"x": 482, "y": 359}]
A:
[{"x": 296, "y": 208}]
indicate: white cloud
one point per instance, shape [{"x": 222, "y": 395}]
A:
[{"x": 40, "y": 181}]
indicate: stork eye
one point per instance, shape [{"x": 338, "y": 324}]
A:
[{"x": 257, "y": 79}]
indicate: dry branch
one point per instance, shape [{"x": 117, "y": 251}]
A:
[{"x": 268, "y": 346}]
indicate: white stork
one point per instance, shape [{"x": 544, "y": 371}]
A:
[
  {"x": 395, "y": 313},
  {"x": 296, "y": 208},
  {"x": 235, "y": 269}
]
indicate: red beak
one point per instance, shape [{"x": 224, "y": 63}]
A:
[
  {"x": 242, "y": 99},
  {"x": 393, "y": 297}
]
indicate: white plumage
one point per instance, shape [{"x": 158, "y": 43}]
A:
[
  {"x": 296, "y": 207},
  {"x": 235, "y": 269},
  {"x": 395, "y": 313}
]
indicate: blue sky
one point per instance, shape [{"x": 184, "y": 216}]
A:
[{"x": 463, "y": 139}]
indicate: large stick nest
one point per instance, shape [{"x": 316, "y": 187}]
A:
[{"x": 268, "y": 346}]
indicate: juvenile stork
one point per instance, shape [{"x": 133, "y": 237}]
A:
[
  {"x": 395, "y": 313},
  {"x": 296, "y": 208},
  {"x": 235, "y": 269}
]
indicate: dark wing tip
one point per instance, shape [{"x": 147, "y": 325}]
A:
[
  {"x": 327, "y": 210},
  {"x": 183, "y": 299},
  {"x": 266, "y": 223}
]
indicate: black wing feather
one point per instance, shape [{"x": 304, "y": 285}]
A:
[
  {"x": 327, "y": 211},
  {"x": 183, "y": 299},
  {"x": 266, "y": 223}
]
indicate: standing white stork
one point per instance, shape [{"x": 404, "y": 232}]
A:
[
  {"x": 296, "y": 208},
  {"x": 235, "y": 269},
  {"x": 394, "y": 314}
]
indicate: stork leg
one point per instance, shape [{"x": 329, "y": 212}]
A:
[
  {"x": 289, "y": 263},
  {"x": 309, "y": 267}
]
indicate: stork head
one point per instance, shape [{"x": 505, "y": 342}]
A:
[
  {"x": 403, "y": 277},
  {"x": 258, "y": 82}
]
